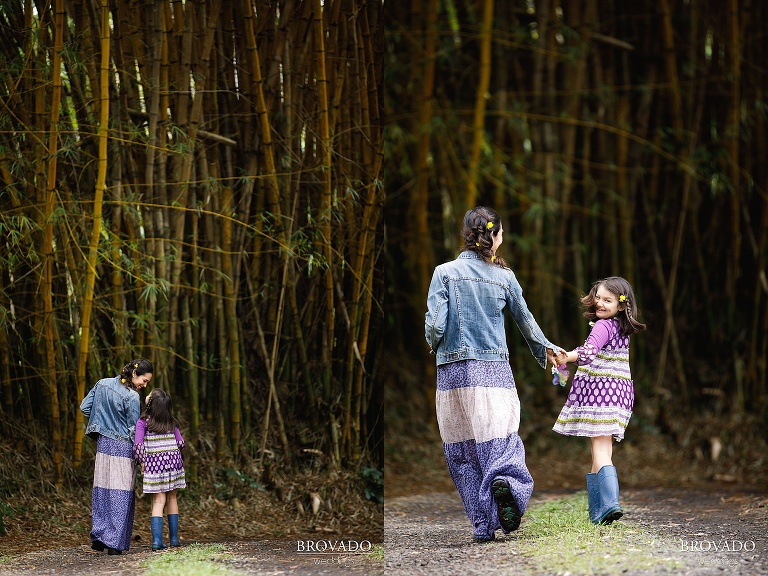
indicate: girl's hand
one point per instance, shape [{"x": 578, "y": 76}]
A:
[{"x": 561, "y": 358}]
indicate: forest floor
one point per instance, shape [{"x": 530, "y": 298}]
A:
[{"x": 254, "y": 527}]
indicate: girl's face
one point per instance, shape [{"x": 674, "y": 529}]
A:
[
  {"x": 140, "y": 382},
  {"x": 607, "y": 304}
]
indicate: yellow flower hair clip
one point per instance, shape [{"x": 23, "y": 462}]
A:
[
  {"x": 493, "y": 258},
  {"x": 136, "y": 365},
  {"x": 477, "y": 243},
  {"x": 122, "y": 380},
  {"x": 490, "y": 225},
  {"x": 622, "y": 298}
]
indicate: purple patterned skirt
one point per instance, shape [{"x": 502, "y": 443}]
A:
[
  {"x": 478, "y": 412},
  {"x": 163, "y": 465},
  {"x": 596, "y": 406},
  {"x": 113, "y": 499}
]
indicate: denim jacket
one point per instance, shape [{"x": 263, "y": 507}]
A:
[
  {"x": 465, "y": 312},
  {"x": 112, "y": 410}
]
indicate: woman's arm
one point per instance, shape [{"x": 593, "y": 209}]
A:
[
  {"x": 527, "y": 324},
  {"x": 437, "y": 311},
  {"x": 87, "y": 403}
]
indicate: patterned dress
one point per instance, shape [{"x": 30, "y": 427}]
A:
[
  {"x": 602, "y": 395},
  {"x": 160, "y": 454},
  {"x": 478, "y": 412}
]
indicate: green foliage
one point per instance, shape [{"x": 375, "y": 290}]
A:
[
  {"x": 235, "y": 483},
  {"x": 4, "y": 511},
  {"x": 374, "y": 484}
]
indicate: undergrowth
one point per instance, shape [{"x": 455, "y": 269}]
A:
[{"x": 233, "y": 500}]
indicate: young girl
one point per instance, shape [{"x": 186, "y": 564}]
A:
[
  {"x": 158, "y": 450},
  {"x": 600, "y": 402}
]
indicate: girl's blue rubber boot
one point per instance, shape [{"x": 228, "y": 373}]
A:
[
  {"x": 593, "y": 496},
  {"x": 608, "y": 490},
  {"x": 173, "y": 529},
  {"x": 157, "y": 533}
]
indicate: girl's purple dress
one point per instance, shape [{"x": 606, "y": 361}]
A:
[
  {"x": 602, "y": 395},
  {"x": 161, "y": 456}
]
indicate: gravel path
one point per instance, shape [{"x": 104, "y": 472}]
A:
[{"x": 430, "y": 534}]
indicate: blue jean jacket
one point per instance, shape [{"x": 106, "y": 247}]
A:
[
  {"x": 112, "y": 410},
  {"x": 465, "y": 312}
]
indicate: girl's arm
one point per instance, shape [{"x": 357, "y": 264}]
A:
[
  {"x": 567, "y": 357},
  {"x": 179, "y": 440},
  {"x": 138, "y": 444},
  {"x": 599, "y": 336}
]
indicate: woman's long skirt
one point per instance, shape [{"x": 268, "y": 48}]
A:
[
  {"x": 114, "y": 501},
  {"x": 478, "y": 413}
]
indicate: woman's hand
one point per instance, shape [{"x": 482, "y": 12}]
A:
[{"x": 551, "y": 358}]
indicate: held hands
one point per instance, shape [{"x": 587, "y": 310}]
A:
[
  {"x": 557, "y": 358},
  {"x": 559, "y": 361},
  {"x": 551, "y": 357},
  {"x": 561, "y": 358}
]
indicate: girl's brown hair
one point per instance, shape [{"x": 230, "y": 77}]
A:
[
  {"x": 628, "y": 317},
  {"x": 158, "y": 412}
]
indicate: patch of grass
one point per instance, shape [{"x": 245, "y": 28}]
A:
[
  {"x": 193, "y": 560},
  {"x": 377, "y": 552},
  {"x": 559, "y": 538}
]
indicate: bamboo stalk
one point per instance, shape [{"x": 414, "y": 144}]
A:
[
  {"x": 327, "y": 200},
  {"x": 233, "y": 326},
  {"x": 478, "y": 124},
  {"x": 734, "y": 138},
  {"x": 50, "y": 203},
  {"x": 96, "y": 233}
]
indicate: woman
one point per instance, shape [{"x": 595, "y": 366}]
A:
[
  {"x": 112, "y": 407},
  {"x": 478, "y": 410}
]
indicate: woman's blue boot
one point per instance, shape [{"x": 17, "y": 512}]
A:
[
  {"x": 593, "y": 497},
  {"x": 608, "y": 490},
  {"x": 173, "y": 529},
  {"x": 157, "y": 533}
]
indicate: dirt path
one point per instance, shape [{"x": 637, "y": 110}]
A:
[
  {"x": 262, "y": 557},
  {"x": 430, "y": 534}
]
